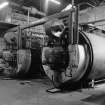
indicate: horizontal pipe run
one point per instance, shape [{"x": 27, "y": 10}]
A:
[
  {"x": 57, "y": 15},
  {"x": 44, "y": 20},
  {"x": 91, "y": 22}
]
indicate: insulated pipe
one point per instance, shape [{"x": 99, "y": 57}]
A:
[{"x": 60, "y": 15}]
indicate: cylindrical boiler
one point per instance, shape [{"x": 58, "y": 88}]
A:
[
  {"x": 86, "y": 60},
  {"x": 24, "y": 61}
]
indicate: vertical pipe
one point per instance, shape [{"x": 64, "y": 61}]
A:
[
  {"x": 18, "y": 47},
  {"x": 19, "y": 44},
  {"x": 28, "y": 19},
  {"x": 70, "y": 38},
  {"x": 72, "y": 2},
  {"x": 70, "y": 27},
  {"x": 76, "y": 35},
  {"x": 28, "y": 29}
]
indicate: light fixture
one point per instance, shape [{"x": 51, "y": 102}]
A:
[
  {"x": 47, "y": 4},
  {"x": 3, "y": 5},
  {"x": 55, "y": 1}
]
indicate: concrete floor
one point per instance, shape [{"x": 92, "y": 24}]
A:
[{"x": 18, "y": 92}]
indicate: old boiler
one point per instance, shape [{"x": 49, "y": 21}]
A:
[
  {"x": 66, "y": 63},
  {"x": 19, "y": 56}
]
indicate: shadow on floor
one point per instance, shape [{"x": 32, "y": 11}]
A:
[{"x": 97, "y": 99}]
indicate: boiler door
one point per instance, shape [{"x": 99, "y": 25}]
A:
[{"x": 75, "y": 67}]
